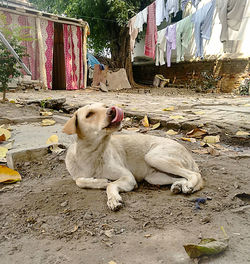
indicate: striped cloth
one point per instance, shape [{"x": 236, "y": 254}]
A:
[{"x": 151, "y": 33}]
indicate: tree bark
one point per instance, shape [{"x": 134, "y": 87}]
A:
[
  {"x": 5, "y": 86},
  {"x": 121, "y": 56}
]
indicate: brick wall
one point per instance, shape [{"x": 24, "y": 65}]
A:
[{"x": 231, "y": 71}]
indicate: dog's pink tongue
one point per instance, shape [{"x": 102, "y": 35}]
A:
[{"x": 118, "y": 114}]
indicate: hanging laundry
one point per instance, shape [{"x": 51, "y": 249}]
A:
[
  {"x": 171, "y": 42},
  {"x": 160, "y": 11},
  {"x": 195, "y": 3},
  {"x": 160, "y": 47},
  {"x": 184, "y": 4},
  {"x": 202, "y": 20},
  {"x": 184, "y": 30},
  {"x": 172, "y": 6},
  {"x": 141, "y": 19},
  {"x": 230, "y": 14},
  {"x": 151, "y": 33},
  {"x": 133, "y": 32}
]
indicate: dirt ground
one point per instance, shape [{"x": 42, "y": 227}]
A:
[{"x": 46, "y": 218}]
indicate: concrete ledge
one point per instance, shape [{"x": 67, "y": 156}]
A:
[
  {"x": 22, "y": 155},
  {"x": 19, "y": 120}
]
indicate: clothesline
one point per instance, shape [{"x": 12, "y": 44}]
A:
[{"x": 177, "y": 36}]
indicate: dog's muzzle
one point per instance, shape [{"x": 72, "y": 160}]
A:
[{"x": 116, "y": 114}]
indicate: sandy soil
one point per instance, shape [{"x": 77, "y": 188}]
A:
[{"x": 46, "y": 218}]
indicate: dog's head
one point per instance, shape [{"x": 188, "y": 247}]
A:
[{"x": 94, "y": 119}]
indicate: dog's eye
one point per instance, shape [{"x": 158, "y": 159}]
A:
[{"x": 89, "y": 114}]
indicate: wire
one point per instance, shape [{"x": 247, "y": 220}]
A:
[{"x": 96, "y": 18}]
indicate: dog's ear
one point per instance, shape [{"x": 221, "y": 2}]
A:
[{"x": 71, "y": 125}]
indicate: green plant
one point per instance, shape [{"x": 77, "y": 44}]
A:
[
  {"x": 9, "y": 68},
  {"x": 209, "y": 82}
]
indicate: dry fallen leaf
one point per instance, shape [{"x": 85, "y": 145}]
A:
[
  {"x": 2, "y": 138},
  {"x": 56, "y": 149},
  {"x": 171, "y": 108},
  {"x": 242, "y": 133},
  {"x": 196, "y": 133},
  {"x": 155, "y": 126},
  {"x": 192, "y": 140},
  {"x": 52, "y": 139},
  {"x": 213, "y": 151},
  {"x": 200, "y": 151},
  {"x": 8, "y": 175},
  {"x": 176, "y": 117},
  {"x": 136, "y": 129},
  {"x": 211, "y": 139},
  {"x": 5, "y": 132},
  {"x": 3, "y": 152},
  {"x": 145, "y": 121},
  {"x": 12, "y": 101},
  {"x": 112, "y": 262},
  {"x": 46, "y": 113},
  {"x": 148, "y": 235},
  {"x": 48, "y": 122},
  {"x": 171, "y": 132}
]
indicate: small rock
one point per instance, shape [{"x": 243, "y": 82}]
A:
[
  {"x": 65, "y": 203},
  {"x": 109, "y": 233}
]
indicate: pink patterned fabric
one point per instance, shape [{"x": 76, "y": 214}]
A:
[
  {"x": 47, "y": 28},
  {"x": 28, "y": 25},
  {"x": 151, "y": 33},
  {"x": 73, "y": 57}
]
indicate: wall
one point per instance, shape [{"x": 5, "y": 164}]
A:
[{"x": 231, "y": 71}]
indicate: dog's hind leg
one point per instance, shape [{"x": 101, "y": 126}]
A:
[
  {"x": 159, "y": 178},
  {"x": 192, "y": 179}
]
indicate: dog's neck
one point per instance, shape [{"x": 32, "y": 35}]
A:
[{"x": 92, "y": 146}]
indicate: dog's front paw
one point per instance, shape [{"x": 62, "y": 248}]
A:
[{"x": 114, "y": 202}]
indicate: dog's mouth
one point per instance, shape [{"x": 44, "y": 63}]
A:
[{"x": 115, "y": 115}]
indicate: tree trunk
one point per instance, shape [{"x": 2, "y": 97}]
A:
[
  {"x": 121, "y": 56},
  {"x": 5, "y": 86}
]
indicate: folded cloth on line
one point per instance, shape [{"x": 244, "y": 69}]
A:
[
  {"x": 141, "y": 19},
  {"x": 171, "y": 41},
  {"x": 230, "y": 14},
  {"x": 202, "y": 20},
  {"x": 151, "y": 33},
  {"x": 159, "y": 11},
  {"x": 184, "y": 30},
  {"x": 160, "y": 47}
]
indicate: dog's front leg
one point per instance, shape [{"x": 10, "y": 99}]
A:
[
  {"x": 91, "y": 183},
  {"x": 123, "y": 184}
]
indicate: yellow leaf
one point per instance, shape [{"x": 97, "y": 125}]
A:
[
  {"x": 145, "y": 121},
  {"x": 192, "y": 140},
  {"x": 197, "y": 133},
  {"x": 46, "y": 113},
  {"x": 133, "y": 109},
  {"x": 6, "y": 132},
  {"x": 177, "y": 117},
  {"x": 52, "y": 139},
  {"x": 155, "y": 126},
  {"x": 48, "y": 122},
  {"x": 242, "y": 133},
  {"x": 171, "y": 108},
  {"x": 211, "y": 139},
  {"x": 246, "y": 105},
  {"x": 12, "y": 101},
  {"x": 3, "y": 152},
  {"x": 199, "y": 113},
  {"x": 171, "y": 132},
  {"x": 112, "y": 262},
  {"x": 8, "y": 175}
]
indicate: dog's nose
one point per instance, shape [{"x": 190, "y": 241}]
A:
[{"x": 111, "y": 112}]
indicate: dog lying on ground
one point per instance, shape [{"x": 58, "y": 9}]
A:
[{"x": 100, "y": 160}]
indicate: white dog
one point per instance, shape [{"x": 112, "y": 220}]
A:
[{"x": 100, "y": 160}]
